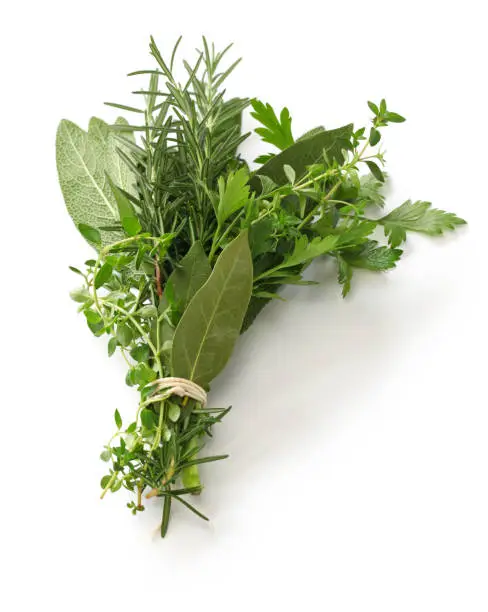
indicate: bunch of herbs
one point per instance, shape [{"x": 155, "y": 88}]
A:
[{"x": 191, "y": 244}]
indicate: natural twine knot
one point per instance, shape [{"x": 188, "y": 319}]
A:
[{"x": 181, "y": 387}]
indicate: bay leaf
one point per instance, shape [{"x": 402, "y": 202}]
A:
[
  {"x": 304, "y": 153},
  {"x": 210, "y": 325},
  {"x": 190, "y": 274}
]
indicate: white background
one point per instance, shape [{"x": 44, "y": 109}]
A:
[{"x": 358, "y": 439}]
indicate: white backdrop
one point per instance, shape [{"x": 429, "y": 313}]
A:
[{"x": 357, "y": 477}]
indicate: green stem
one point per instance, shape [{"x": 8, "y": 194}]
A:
[
  {"x": 166, "y": 512},
  {"x": 190, "y": 475}
]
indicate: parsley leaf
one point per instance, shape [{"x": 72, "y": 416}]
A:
[
  {"x": 233, "y": 193},
  {"x": 417, "y": 217},
  {"x": 275, "y": 131},
  {"x": 370, "y": 191},
  {"x": 305, "y": 250},
  {"x": 370, "y": 256}
]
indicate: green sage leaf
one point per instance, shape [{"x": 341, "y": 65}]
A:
[{"x": 84, "y": 159}]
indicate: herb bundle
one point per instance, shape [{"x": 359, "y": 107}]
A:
[{"x": 191, "y": 245}]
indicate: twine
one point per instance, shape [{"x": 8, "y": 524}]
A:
[{"x": 181, "y": 387}]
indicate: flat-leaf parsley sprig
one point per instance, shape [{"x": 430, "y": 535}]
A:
[{"x": 190, "y": 244}]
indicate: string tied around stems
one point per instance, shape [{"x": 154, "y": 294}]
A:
[
  {"x": 175, "y": 386},
  {"x": 178, "y": 386}
]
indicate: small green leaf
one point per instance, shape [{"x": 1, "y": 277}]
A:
[
  {"x": 103, "y": 275},
  {"x": 140, "y": 352},
  {"x": 383, "y": 106},
  {"x": 116, "y": 485},
  {"x": 105, "y": 480},
  {"x": 374, "y": 137},
  {"x": 147, "y": 312},
  {"x": 80, "y": 295},
  {"x": 174, "y": 412},
  {"x": 395, "y": 118},
  {"x": 75, "y": 270},
  {"x": 131, "y": 225},
  {"x": 374, "y": 108},
  {"x": 124, "y": 334},
  {"x": 375, "y": 171},
  {"x": 92, "y": 317},
  {"x": 117, "y": 419},
  {"x": 105, "y": 456},
  {"x": 128, "y": 217},
  {"x": 90, "y": 233},
  {"x": 290, "y": 173},
  {"x": 132, "y": 428},
  {"x": 143, "y": 375},
  {"x": 112, "y": 345},
  {"x": 147, "y": 418}
]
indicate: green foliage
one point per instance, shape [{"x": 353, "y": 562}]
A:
[
  {"x": 191, "y": 245},
  {"x": 417, "y": 217},
  {"x": 84, "y": 159},
  {"x": 275, "y": 131},
  {"x": 304, "y": 153},
  {"x": 211, "y": 323},
  {"x": 233, "y": 194},
  {"x": 372, "y": 257},
  {"x": 306, "y": 250},
  {"x": 190, "y": 274}
]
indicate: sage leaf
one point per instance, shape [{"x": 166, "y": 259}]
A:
[
  {"x": 210, "y": 325},
  {"x": 84, "y": 159}
]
